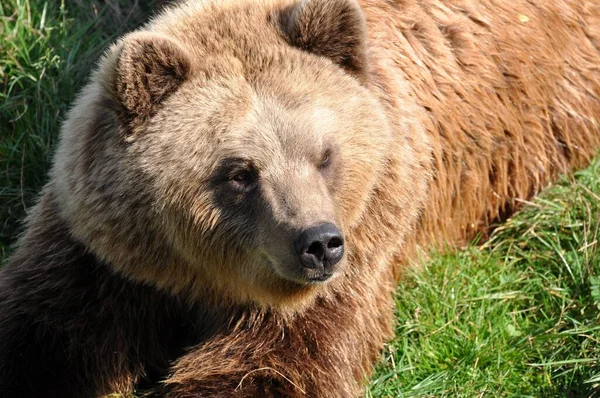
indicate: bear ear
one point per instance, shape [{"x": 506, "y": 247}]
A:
[
  {"x": 149, "y": 68},
  {"x": 335, "y": 29}
]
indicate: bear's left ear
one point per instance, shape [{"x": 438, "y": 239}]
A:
[{"x": 335, "y": 29}]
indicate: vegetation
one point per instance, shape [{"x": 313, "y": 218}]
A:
[
  {"x": 518, "y": 317},
  {"x": 47, "y": 49}
]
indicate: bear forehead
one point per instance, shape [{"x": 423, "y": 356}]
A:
[
  {"x": 270, "y": 130},
  {"x": 226, "y": 37},
  {"x": 250, "y": 126},
  {"x": 221, "y": 27}
]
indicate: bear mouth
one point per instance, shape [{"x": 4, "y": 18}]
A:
[
  {"x": 299, "y": 276},
  {"x": 313, "y": 277},
  {"x": 320, "y": 279}
]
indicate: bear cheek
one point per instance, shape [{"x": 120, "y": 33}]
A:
[
  {"x": 365, "y": 165},
  {"x": 353, "y": 187}
]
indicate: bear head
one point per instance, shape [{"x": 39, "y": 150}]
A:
[{"x": 227, "y": 149}]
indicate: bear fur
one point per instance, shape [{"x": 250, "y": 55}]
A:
[{"x": 159, "y": 255}]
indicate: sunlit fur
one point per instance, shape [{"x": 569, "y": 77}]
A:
[
  {"x": 441, "y": 117},
  {"x": 269, "y": 107}
]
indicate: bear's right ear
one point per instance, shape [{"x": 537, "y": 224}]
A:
[{"x": 149, "y": 68}]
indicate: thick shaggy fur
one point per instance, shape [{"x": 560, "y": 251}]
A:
[{"x": 439, "y": 117}]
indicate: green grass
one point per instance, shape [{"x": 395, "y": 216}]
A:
[
  {"x": 47, "y": 49},
  {"x": 519, "y": 317}
]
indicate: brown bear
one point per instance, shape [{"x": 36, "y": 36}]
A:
[{"x": 237, "y": 185}]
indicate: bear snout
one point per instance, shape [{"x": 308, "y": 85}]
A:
[{"x": 319, "y": 248}]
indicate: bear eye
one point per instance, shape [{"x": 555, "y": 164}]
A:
[
  {"x": 243, "y": 180},
  {"x": 325, "y": 160}
]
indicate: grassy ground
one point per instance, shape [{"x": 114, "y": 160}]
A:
[
  {"x": 519, "y": 317},
  {"x": 47, "y": 49}
]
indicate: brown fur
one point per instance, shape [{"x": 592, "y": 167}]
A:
[{"x": 441, "y": 117}]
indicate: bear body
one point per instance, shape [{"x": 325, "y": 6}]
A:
[{"x": 167, "y": 247}]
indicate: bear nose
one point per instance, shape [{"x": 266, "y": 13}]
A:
[{"x": 320, "y": 247}]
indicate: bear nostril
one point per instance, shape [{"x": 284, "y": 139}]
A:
[
  {"x": 334, "y": 243},
  {"x": 317, "y": 250}
]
